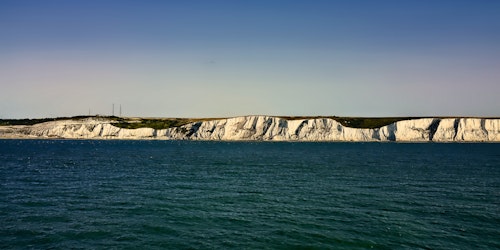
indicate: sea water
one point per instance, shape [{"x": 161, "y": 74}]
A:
[{"x": 248, "y": 195}]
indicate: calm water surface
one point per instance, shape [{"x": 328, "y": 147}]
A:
[{"x": 211, "y": 195}]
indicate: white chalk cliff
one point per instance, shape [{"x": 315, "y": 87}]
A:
[{"x": 267, "y": 128}]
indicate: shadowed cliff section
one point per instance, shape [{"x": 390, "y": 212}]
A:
[{"x": 433, "y": 128}]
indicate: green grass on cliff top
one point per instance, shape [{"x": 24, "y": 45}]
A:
[
  {"x": 357, "y": 122},
  {"x": 128, "y": 122},
  {"x": 163, "y": 123}
]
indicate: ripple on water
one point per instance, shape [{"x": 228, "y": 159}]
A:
[{"x": 156, "y": 194}]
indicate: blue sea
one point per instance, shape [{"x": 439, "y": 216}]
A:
[{"x": 97, "y": 194}]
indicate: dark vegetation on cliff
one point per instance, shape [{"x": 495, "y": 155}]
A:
[
  {"x": 155, "y": 123},
  {"x": 357, "y": 122},
  {"x": 12, "y": 122},
  {"x": 130, "y": 123},
  {"x": 163, "y": 123}
]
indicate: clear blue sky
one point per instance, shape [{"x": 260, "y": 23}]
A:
[{"x": 228, "y": 58}]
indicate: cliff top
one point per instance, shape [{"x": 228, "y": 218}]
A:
[{"x": 163, "y": 123}]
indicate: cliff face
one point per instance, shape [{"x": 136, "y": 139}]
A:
[{"x": 268, "y": 128}]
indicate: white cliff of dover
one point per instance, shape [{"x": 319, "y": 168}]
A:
[{"x": 267, "y": 128}]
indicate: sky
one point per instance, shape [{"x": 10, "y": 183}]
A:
[{"x": 190, "y": 58}]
